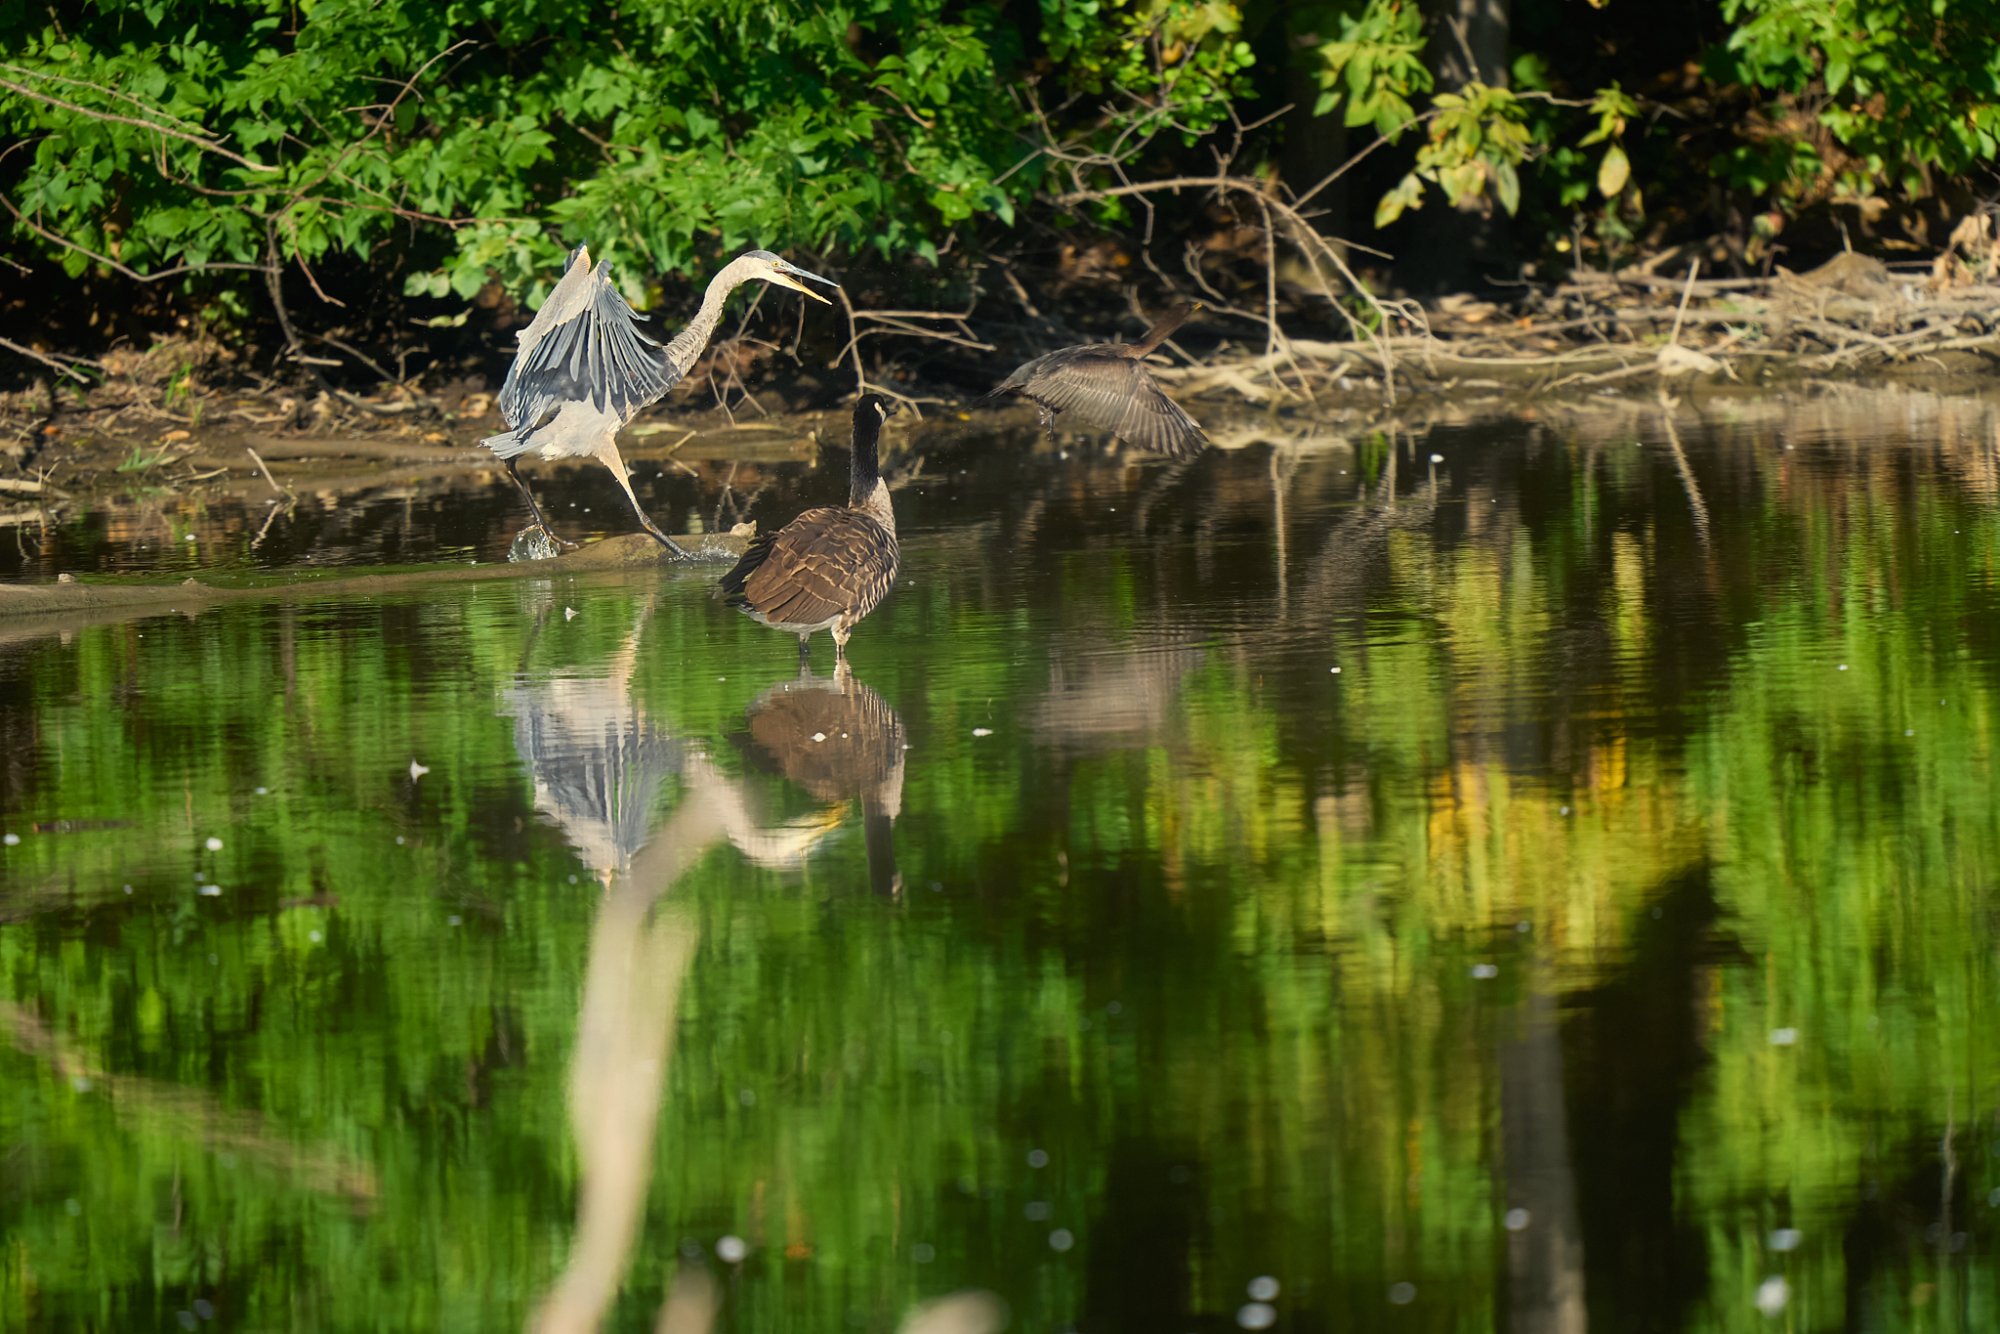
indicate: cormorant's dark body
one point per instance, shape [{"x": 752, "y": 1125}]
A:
[{"x": 1106, "y": 387}]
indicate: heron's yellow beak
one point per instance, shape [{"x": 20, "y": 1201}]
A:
[{"x": 784, "y": 279}]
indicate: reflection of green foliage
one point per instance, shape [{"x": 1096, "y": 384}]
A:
[{"x": 1235, "y": 946}]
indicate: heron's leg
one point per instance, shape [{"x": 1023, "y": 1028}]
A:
[
  {"x": 616, "y": 463},
  {"x": 533, "y": 508}
]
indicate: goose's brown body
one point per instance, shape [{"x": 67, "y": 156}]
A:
[
  {"x": 1106, "y": 387},
  {"x": 830, "y": 567}
]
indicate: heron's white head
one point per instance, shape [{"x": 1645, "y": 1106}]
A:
[{"x": 782, "y": 273}]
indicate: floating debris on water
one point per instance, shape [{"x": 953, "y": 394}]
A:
[
  {"x": 210, "y": 891},
  {"x": 417, "y": 770},
  {"x": 1784, "y": 1037},
  {"x": 1038, "y": 1158},
  {"x": 819, "y": 736},
  {"x": 1515, "y": 1220},
  {"x": 1485, "y": 971},
  {"x": 1263, "y": 1288},
  {"x": 1402, "y": 1294},
  {"x": 730, "y": 1250},
  {"x": 1038, "y": 1211},
  {"x": 1785, "y": 1239},
  {"x": 10, "y": 839},
  {"x": 923, "y": 1253},
  {"x": 982, "y": 731},
  {"x": 1256, "y": 1315},
  {"x": 569, "y": 613},
  {"x": 215, "y": 845},
  {"x": 1772, "y": 1295},
  {"x": 1061, "y": 1239}
]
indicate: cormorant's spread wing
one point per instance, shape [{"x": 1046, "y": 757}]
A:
[
  {"x": 584, "y": 344},
  {"x": 1115, "y": 394}
]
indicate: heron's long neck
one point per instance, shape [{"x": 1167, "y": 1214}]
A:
[
  {"x": 686, "y": 347},
  {"x": 866, "y": 491}
]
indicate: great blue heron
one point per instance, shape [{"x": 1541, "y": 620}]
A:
[
  {"x": 584, "y": 368},
  {"x": 1105, "y": 387},
  {"x": 829, "y": 567}
]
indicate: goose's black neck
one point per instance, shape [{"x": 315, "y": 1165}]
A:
[{"x": 867, "y": 469}]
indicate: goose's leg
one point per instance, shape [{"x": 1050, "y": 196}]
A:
[
  {"x": 533, "y": 508},
  {"x": 805, "y": 651},
  {"x": 612, "y": 460},
  {"x": 840, "y": 634}
]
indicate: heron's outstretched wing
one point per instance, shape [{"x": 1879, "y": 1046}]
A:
[
  {"x": 1110, "y": 391},
  {"x": 584, "y": 344}
]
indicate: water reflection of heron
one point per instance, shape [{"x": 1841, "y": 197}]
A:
[
  {"x": 597, "y": 760},
  {"x": 839, "y": 740}
]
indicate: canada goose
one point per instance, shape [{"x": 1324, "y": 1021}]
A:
[
  {"x": 829, "y": 567},
  {"x": 1106, "y": 387},
  {"x": 584, "y": 369}
]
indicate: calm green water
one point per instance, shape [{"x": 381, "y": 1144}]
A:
[{"x": 1510, "y": 892}]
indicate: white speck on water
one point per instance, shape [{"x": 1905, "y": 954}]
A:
[
  {"x": 1263, "y": 1288},
  {"x": 314, "y": 937},
  {"x": 982, "y": 731},
  {"x": 1523, "y": 928},
  {"x": 11, "y": 840},
  {"x": 417, "y": 770},
  {"x": 746, "y": 1097},
  {"x": 1437, "y": 458},
  {"x": 730, "y": 1250},
  {"x": 1784, "y": 1037},
  {"x": 1334, "y": 670},
  {"x": 204, "y": 1308},
  {"x": 1772, "y": 1294},
  {"x": 128, "y": 889},
  {"x": 1785, "y": 1239},
  {"x": 215, "y": 845},
  {"x": 569, "y": 613},
  {"x": 1565, "y": 810},
  {"x": 187, "y": 1319},
  {"x": 73, "y": 1206},
  {"x": 1516, "y": 1220},
  {"x": 454, "y": 920},
  {"x": 1402, "y": 1294},
  {"x": 1061, "y": 1239},
  {"x": 188, "y": 538},
  {"x": 81, "y": 1083},
  {"x": 263, "y": 791},
  {"x": 399, "y": 840},
  {"x": 1485, "y": 971},
  {"x": 214, "y": 960},
  {"x": 1843, "y": 666},
  {"x": 1256, "y": 1315},
  {"x": 923, "y": 1252},
  {"x": 210, "y": 891},
  {"x": 1993, "y": 1198},
  {"x": 572, "y": 880},
  {"x": 1909, "y": 731},
  {"x": 819, "y": 736},
  {"x": 722, "y": 678},
  {"x": 1038, "y": 1158},
  {"x": 1114, "y": 509},
  {"x": 1115, "y": 1007},
  {"x": 1037, "y": 1211}
]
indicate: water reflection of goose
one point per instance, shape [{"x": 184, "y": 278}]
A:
[
  {"x": 1103, "y": 699},
  {"x": 829, "y": 567},
  {"x": 597, "y": 761},
  {"x": 839, "y": 740}
]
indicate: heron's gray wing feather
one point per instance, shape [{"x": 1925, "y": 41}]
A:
[{"x": 584, "y": 343}]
